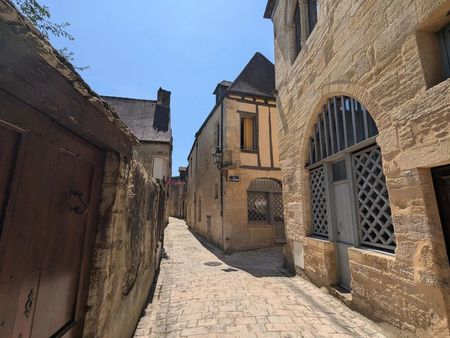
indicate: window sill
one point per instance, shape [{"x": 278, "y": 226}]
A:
[
  {"x": 259, "y": 225},
  {"x": 249, "y": 151},
  {"x": 320, "y": 243},
  {"x": 372, "y": 257}
]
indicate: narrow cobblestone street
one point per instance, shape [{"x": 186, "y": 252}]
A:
[{"x": 201, "y": 292}]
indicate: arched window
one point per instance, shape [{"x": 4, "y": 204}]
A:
[
  {"x": 264, "y": 201},
  {"x": 298, "y": 29},
  {"x": 313, "y": 6},
  {"x": 349, "y": 198}
]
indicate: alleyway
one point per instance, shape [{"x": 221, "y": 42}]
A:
[{"x": 203, "y": 293}]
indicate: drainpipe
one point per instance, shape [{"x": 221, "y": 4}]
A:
[{"x": 221, "y": 167}]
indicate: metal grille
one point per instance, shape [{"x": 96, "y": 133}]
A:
[
  {"x": 257, "y": 206},
  {"x": 342, "y": 123},
  {"x": 319, "y": 202},
  {"x": 278, "y": 208},
  {"x": 376, "y": 227}
]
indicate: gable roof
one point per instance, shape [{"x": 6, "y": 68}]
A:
[
  {"x": 141, "y": 115},
  {"x": 257, "y": 78}
]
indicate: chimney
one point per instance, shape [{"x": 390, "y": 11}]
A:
[
  {"x": 163, "y": 98},
  {"x": 221, "y": 89},
  {"x": 161, "y": 121}
]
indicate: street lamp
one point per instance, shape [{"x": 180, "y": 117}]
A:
[{"x": 217, "y": 158}]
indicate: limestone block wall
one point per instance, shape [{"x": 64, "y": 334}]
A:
[
  {"x": 177, "y": 199},
  {"x": 239, "y": 233},
  {"x": 127, "y": 249},
  {"x": 203, "y": 192},
  {"x": 386, "y": 55}
]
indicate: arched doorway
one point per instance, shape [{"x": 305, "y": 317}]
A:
[
  {"x": 349, "y": 197},
  {"x": 265, "y": 205}
]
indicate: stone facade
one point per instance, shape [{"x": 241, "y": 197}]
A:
[
  {"x": 177, "y": 195},
  {"x": 127, "y": 250},
  {"x": 217, "y": 205},
  {"x": 149, "y": 121},
  {"x": 386, "y": 55},
  {"x": 92, "y": 236}
]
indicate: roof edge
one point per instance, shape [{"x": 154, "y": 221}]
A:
[
  {"x": 126, "y": 98},
  {"x": 269, "y": 9}
]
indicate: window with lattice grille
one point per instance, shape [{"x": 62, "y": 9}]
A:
[
  {"x": 375, "y": 220},
  {"x": 319, "y": 202},
  {"x": 257, "y": 206},
  {"x": 342, "y": 148},
  {"x": 265, "y": 201}
]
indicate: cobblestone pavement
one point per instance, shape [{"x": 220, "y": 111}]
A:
[{"x": 202, "y": 293}]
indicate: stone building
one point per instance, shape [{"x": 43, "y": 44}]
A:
[
  {"x": 177, "y": 195},
  {"x": 80, "y": 220},
  {"x": 234, "y": 190},
  {"x": 149, "y": 121},
  {"x": 363, "y": 99}
]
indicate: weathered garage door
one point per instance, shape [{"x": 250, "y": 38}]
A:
[{"x": 50, "y": 184}]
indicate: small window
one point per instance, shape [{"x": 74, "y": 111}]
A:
[
  {"x": 158, "y": 168},
  {"x": 200, "y": 209},
  {"x": 298, "y": 29},
  {"x": 216, "y": 191},
  {"x": 339, "y": 171},
  {"x": 218, "y": 136},
  {"x": 444, "y": 40},
  {"x": 248, "y": 133},
  {"x": 313, "y": 9}
]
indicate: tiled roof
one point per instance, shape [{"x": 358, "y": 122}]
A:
[
  {"x": 139, "y": 116},
  {"x": 257, "y": 78}
]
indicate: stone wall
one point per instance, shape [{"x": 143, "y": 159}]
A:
[
  {"x": 231, "y": 230},
  {"x": 148, "y": 151},
  {"x": 176, "y": 204},
  {"x": 127, "y": 249},
  {"x": 386, "y": 55}
]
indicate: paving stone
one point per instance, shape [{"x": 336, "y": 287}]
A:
[{"x": 257, "y": 300}]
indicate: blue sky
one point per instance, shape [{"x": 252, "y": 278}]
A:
[{"x": 186, "y": 46}]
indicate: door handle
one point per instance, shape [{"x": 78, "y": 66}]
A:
[{"x": 83, "y": 209}]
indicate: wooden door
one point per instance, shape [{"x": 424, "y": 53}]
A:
[
  {"x": 50, "y": 208},
  {"x": 441, "y": 178}
]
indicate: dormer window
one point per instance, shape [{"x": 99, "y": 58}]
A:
[{"x": 298, "y": 29}]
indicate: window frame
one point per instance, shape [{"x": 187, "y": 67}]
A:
[
  {"x": 346, "y": 153},
  {"x": 444, "y": 43},
  {"x": 269, "y": 193},
  {"x": 313, "y": 6},
  {"x": 297, "y": 23},
  {"x": 254, "y": 117}
]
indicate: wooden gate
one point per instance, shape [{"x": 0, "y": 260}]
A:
[{"x": 50, "y": 183}]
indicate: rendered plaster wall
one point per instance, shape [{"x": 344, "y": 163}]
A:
[
  {"x": 386, "y": 55},
  {"x": 127, "y": 249},
  {"x": 148, "y": 151}
]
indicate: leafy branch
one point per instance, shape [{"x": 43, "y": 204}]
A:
[{"x": 40, "y": 16}]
